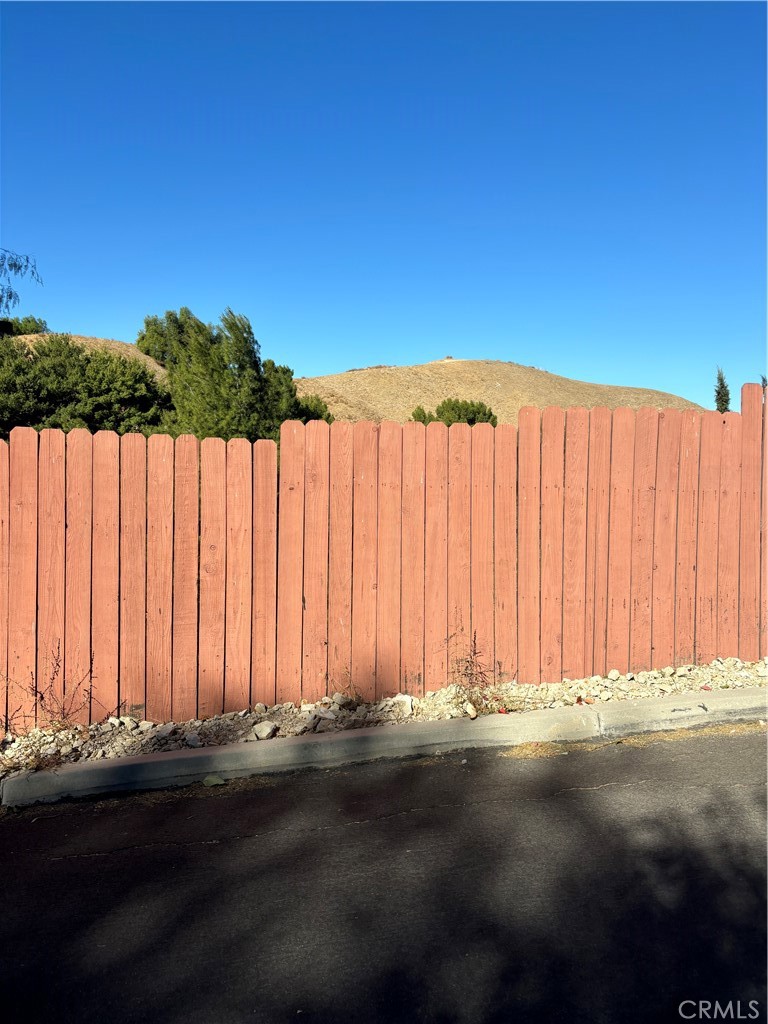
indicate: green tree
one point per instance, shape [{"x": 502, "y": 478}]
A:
[
  {"x": 722, "y": 393},
  {"x": 28, "y": 325},
  {"x": 455, "y": 410},
  {"x": 12, "y": 264},
  {"x": 56, "y": 383},
  {"x": 219, "y": 385}
]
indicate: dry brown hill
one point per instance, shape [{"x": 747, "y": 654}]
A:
[
  {"x": 120, "y": 348},
  {"x": 393, "y": 392}
]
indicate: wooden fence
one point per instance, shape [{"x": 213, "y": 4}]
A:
[{"x": 180, "y": 579}]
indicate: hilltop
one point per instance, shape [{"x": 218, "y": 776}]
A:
[{"x": 393, "y": 392}]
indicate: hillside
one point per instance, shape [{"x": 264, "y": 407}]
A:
[
  {"x": 120, "y": 348},
  {"x": 393, "y": 392}
]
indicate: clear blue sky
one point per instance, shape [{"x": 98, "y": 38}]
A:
[{"x": 575, "y": 186}]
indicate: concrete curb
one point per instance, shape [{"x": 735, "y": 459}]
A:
[{"x": 552, "y": 725}]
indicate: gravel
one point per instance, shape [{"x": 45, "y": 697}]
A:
[{"x": 42, "y": 748}]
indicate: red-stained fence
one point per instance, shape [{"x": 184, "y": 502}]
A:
[{"x": 181, "y": 579}]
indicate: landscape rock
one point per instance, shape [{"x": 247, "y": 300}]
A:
[{"x": 264, "y": 730}]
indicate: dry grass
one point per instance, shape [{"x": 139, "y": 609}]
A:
[
  {"x": 393, "y": 392},
  {"x": 118, "y": 348}
]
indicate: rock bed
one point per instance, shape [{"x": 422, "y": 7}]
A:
[{"x": 125, "y": 736}]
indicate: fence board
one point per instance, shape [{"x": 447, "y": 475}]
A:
[
  {"x": 290, "y": 562},
  {"x": 528, "y": 544},
  {"x": 133, "y": 568},
  {"x": 749, "y": 532},
  {"x": 22, "y": 571},
  {"x": 105, "y": 581},
  {"x": 77, "y": 596},
  {"x": 390, "y": 500},
  {"x": 706, "y": 559},
  {"x": 340, "y": 560},
  {"x": 185, "y": 577},
  {"x": 237, "y": 637},
  {"x": 159, "y": 576},
  {"x": 50, "y": 555},
  {"x": 620, "y": 539},
  {"x": 314, "y": 672},
  {"x": 4, "y": 553},
  {"x": 687, "y": 533},
  {"x": 728, "y": 539},
  {"x": 665, "y": 540},
  {"x": 598, "y": 500},
  {"x": 764, "y": 534},
  {"x": 436, "y": 557},
  {"x": 552, "y": 473},
  {"x": 481, "y": 563},
  {"x": 213, "y": 576},
  {"x": 459, "y": 548},
  {"x": 575, "y": 542},
  {"x": 505, "y": 552},
  {"x": 263, "y": 654},
  {"x": 643, "y": 506},
  {"x": 364, "y": 562},
  {"x": 412, "y": 612}
]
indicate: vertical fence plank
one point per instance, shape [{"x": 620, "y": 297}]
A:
[
  {"x": 436, "y": 557},
  {"x": 159, "y": 575},
  {"x": 390, "y": 499},
  {"x": 728, "y": 539},
  {"x": 505, "y": 552},
  {"x": 105, "y": 580},
  {"x": 664, "y": 540},
  {"x": 749, "y": 533},
  {"x": 706, "y": 559},
  {"x": 4, "y": 554},
  {"x": 186, "y": 497},
  {"x": 133, "y": 567},
  {"x": 50, "y": 554},
  {"x": 687, "y": 530},
  {"x": 764, "y": 533},
  {"x": 263, "y": 654},
  {"x": 459, "y": 546},
  {"x": 237, "y": 639},
  {"x": 77, "y": 616},
  {"x": 481, "y": 561},
  {"x": 290, "y": 562},
  {"x": 364, "y": 562},
  {"x": 528, "y": 553},
  {"x": 552, "y": 471},
  {"x": 575, "y": 542},
  {"x": 412, "y": 612},
  {"x": 643, "y": 505},
  {"x": 213, "y": 576},
  {"x": 314, "y": 671},
  {"x": 598, "y": 500},
  {"x": 22, "y": 572},
  {"x": 620, "y": 539},
  {"x": 340, "y": 560}
]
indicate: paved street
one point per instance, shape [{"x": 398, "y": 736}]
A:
[{"x": 603, "y": 885}]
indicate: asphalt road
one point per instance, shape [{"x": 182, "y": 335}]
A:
[{"x": 607, "y": 885}]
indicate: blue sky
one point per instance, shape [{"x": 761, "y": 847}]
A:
[{"x": 575, "y": 186}]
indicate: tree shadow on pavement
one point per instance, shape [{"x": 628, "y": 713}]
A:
[{"x": 570, "y": 889}]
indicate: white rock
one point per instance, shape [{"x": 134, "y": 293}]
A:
[
  {"x": 470, "y": 709},
  {"x": 614, "y": 675},
  {"x": 145, "y": 726},
  {"x": 323, "y": 712},
  {"x": 165, "y": 730},
  {"x": 260, "y": 709},
  {"x": 264, "y": 730}
]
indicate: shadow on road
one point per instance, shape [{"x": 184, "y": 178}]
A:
[{"x": 577, "y": 888}]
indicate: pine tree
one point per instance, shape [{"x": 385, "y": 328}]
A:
[{"x": 722, "y": 393}]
